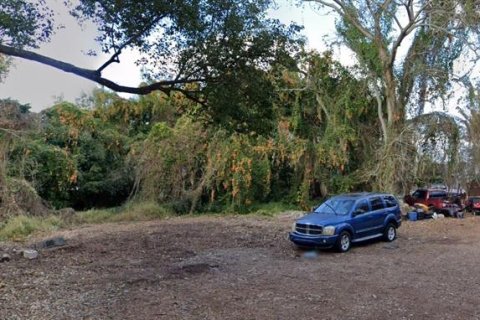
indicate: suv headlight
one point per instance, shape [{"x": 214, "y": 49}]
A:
[
  {"x": 328, "y": 231},
  {"x": 294, "y": 225}
]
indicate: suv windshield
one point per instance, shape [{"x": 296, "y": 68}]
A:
[{"x": 335, "y": 206}]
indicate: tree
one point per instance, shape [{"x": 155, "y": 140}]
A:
[
  {"x": 328, "y": 109},
  {"x": 202, "y": 42},
  {"x": 435, "y": 35},
  {"x": 471, "y": 121}
]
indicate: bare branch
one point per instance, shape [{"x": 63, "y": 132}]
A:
[
  {"x": 397, "y": 22},
  {"x": 118, "y": 51},
  {"x": 342, "y": 10},
  {"x": 165, "y": 86},
  {"x": 113, "y": 58},
  {"x": 409, "y": 7},
  {"x": 413, "y": 23}
]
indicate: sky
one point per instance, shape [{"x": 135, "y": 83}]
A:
[{"x": 41, "y": 86}]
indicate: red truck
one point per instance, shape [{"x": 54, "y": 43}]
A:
[
  {"x": 473, "y": 205},
  {"x": 436, "y": 199}
]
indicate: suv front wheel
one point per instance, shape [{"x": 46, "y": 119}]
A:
[
  {"x": 344, "y": 242},
  {"x": 390, "y": 232}
]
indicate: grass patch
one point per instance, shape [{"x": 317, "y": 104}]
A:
[
  {"x": 94, "y": 216},
  {"x": 20, "y": 227},
  {"x": 133, "y": 211},
  {"x": 272, "y": 208}
]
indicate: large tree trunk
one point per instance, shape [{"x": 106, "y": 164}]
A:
[{"x": 392, "y": 163}]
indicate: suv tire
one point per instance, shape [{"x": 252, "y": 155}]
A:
[
  {"x": 344, "y": 242},
  {"x": 390, "y": 232}
]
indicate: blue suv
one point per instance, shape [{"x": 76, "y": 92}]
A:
[{"x": 348, "y": 218}]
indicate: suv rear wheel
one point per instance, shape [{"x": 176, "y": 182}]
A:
[
  {"x": 390, "y": 232},
  {"x": 344, "y": 242}
]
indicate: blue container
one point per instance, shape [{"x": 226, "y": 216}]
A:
[{"x": 412, "y": 216}]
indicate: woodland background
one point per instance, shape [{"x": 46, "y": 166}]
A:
[{"x": 243, "y": 114}]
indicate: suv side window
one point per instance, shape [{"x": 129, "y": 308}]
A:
[
  {"x": 376, "y": 203},
  {"x": 362, "y": 206},
  {"x": 420, "y": 194},
  {"x": 438, "y": 194},
  {"x": 390, "y": 201}
]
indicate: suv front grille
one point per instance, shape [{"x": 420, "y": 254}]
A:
[{"x": 308, "y": 229}]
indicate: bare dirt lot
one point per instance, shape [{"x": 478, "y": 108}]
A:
[{"x": 244, "y": 268}]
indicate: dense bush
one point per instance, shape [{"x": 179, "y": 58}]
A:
[
  {"x": 290, "y": 145},
  {"x": 74, "y": 159},
  {"x": 317, "y": 137}
]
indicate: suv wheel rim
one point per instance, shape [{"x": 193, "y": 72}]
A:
[
  {"x": 391, "y": 233},
  {"x": 345, "y": 242}
]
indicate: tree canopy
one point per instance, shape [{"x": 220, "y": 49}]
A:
[
  {"x": 193, "y": 46},
  {"x": 236, "y": 112},
  {"x": 409, "y": 48},
  {"x": 413, "y": 52}
]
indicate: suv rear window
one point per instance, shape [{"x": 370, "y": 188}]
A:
[
  {"x": 390, "y": 201},
  {"x": 376, "y": 203}
]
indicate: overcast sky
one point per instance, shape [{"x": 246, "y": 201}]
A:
[{"x": 40, "y": 86}]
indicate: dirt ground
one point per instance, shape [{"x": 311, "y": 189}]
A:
[{"x": 243, "y": 267}]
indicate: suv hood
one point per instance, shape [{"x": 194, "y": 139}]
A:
[{"x": 322, "y": 219}]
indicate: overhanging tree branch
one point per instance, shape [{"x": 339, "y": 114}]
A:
[{"x": 165, "y": 86}]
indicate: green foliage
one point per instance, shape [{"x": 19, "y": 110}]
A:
[
  {"x": 214, "y": 52},
  {"x": 243, "y": 103},
  {"x": 217, "y": 35},
  {"x": 242, "y": 170},
  {"x": 244, "y": 116},
  {"x": 410, "y": 53},
  {"x": 15, "y": 116},
  {"x": 75, "y": 160},
  {"x": 20, "y": 227},
  {"x": 194, "y": 166},
  {"x": 48, "y": 167},
  {"x": 135, "y": 117},
  {"x": 325, "y": 134},
  {"x": 170, "y": 160},
  {"x": 25, "y": 23}
]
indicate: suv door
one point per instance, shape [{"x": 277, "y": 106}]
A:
[
  {"x": 377, "y": 215},
  {"x": 391, "y": 206},
  {"x": 361, "y": 219}
]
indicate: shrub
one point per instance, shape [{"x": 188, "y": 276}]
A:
[{"x": 20, "y": 227}]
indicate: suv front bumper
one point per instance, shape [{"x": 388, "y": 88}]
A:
[{"x": 312, "y": 241}]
